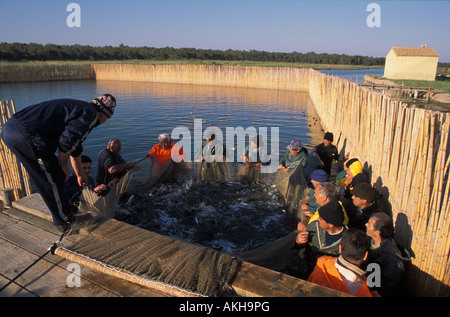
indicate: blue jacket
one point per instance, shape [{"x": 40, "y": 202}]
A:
[{"x": 61, "y": 124}]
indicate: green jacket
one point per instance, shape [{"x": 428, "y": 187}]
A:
[
  {"x": 317, "y": 247},
  {"x": 318, "y": 241},
  {"x": 291, "y": 162}
]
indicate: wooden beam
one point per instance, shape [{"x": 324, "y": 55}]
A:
[{"x": 257, "y": 281}]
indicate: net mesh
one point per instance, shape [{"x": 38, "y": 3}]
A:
[{"x": 169, "y": 260}]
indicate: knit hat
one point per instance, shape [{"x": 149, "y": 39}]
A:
[
  {"x": 319, "y": 176},
  {"x": 364, "y": 191},
  {"x": 332, "y": 213},
  {"x": 105, "y": 103},
  {"x": 328, "y": 136},
  {"x": 295, "y": 145}
]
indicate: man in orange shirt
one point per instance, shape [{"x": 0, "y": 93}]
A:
[
  {"x": 344, "y": 273},
  {"x": 165, "y": 151}
]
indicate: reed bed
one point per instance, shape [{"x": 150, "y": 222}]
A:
[
  {"x": 12, "y": 174},
  {"x": 43, "y": 71},
  {"x": 247, "y": 77}
]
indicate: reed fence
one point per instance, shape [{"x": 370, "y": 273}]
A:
[
  {"x": 404, "y": 149},
  {"x": 12, "y": 173}
]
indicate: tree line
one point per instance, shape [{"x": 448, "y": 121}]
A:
[{"x": 53, "y": 52}]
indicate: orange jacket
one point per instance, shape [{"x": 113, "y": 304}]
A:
[
  {"x": 326, "y": 274},
  {"x": 163, "y": 155}
]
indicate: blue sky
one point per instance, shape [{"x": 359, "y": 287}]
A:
[{"x": 278, "y": 26}]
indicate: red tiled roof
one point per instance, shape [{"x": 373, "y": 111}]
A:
[{"x": 415, "y": 51}]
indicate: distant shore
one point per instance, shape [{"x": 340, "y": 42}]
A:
[{"x": 192, "y": 62}]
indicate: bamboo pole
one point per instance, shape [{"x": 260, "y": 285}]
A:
[{"x": 13, "y": 174}]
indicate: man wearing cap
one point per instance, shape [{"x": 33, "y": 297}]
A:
[
  {"x": 354, "y": 175},
  {"x": 364, "y": 199},
  {"x": 311, "y": 205},
  {"x": 296, "y": 154},
  {"x": 36, "y": 132},
  {"x": 322, "y": 236},
  {"x": 328, "y": 152},
  {"x": 212, "y": 150}
]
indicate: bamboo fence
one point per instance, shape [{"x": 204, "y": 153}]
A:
[
  {"x": 12, "y": 173},
  {"x": 404, "y": 149}
]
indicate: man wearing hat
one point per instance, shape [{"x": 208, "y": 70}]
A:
[
  {"x": 328, "y": 152},
  {"x": 310, "y": 206},
  {"x": 296, "y": 154},
  {"x": 322, "y": 236},
  {"x": 364, "y": 199},
  {"x": 36, "y": 132}
]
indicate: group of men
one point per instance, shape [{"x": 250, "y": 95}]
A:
[
  {"x": 332, "y": 243},
  {"x": 344, "y": 230}
]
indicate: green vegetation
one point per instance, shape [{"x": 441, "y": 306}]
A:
[
  {"x": 438, "y": 85},
  {"x": 185, "y": 62},
  {"x": 52, "y": 52}
]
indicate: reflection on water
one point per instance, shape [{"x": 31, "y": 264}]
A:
[
  {"x": 146, "y": 110},
  {"x": 354, "y": 75}
]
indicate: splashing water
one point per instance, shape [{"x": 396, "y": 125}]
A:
[{"x": 227, "y": 216}]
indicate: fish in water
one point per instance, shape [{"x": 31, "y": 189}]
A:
[{"x": 227, "y": 216}]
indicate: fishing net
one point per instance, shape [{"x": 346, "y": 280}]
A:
[
  {"x": 170, "y": 260},
  {"x": 104, "y": 205},
  {"x": 149, "y": 255}
]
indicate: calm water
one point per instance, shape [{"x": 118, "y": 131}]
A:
[
  {"x": 356, "y": 75},
  {"x": 229, "y": 217},
  {"x": 146, "y": 110}
]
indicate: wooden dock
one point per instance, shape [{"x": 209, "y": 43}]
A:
[
  {"x": 26, "y": 234},
  {"x": 23, "y": 239}
]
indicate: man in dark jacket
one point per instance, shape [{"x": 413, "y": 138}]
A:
[
  {"x": 386, "y": 254},
  {"x": 328, "y": 152},
  {"x": 364, "y": 199},
  {"x": 36, "y": 132},
  {"x": 111, "y": 167}
]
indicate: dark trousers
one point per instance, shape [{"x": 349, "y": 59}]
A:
[{"x": 45, "y": 172}]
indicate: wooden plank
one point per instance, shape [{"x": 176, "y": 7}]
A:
[
  {"x": 25, "y": 242},
  {"x": 251, "y": 280},
  {"x": 256, "y": 281}
]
